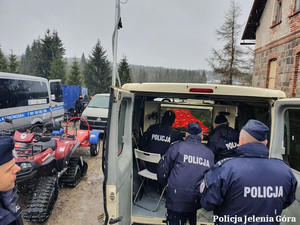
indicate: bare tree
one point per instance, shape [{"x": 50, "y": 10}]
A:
[{"x": 230, "y": 61}]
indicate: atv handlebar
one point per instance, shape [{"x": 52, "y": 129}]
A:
[{"x": 80, "y": 118}]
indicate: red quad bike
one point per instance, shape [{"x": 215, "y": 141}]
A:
[{"x": 46, "y": 163}]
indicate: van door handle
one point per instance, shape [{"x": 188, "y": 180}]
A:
[{"x": 117, "y": 220}]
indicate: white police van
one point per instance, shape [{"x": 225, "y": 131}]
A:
[
  {"x": 29, "y": 100},
  {"x": 134, "y": 107}
]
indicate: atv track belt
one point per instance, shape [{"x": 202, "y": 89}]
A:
[
  {"x": 43, "y": 199},
  {"x": 77, "y": 168}
]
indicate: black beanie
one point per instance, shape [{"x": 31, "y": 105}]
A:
[
  {"x": 220, "y": 119},
  {"x": 168, "y": 118}
]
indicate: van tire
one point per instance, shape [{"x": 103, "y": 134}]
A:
[
  {"x": 37, "y": 130},
  {"x": 95, "y": 148}
]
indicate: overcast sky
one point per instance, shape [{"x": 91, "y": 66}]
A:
[{"x": 167, "y": 33}]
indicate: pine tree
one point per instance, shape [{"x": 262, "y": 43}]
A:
[
  {"x": 124, "y": 71},
  {"x": 45, "y": 58},
  {"x": 82, "y": 61},
  {"x": 75, "y": 74},
  {"x": 230, "y": 60},
  {"x": 3, "y": 61},
  {"x": 25, "y": 66},
  {"x": 52, "y": 56},
  {"x": 58, "y": 69},
  {"x": 203, "y": 77},
  {"x": 13, "y": 63},
  {"x": 97, "y": 71}
]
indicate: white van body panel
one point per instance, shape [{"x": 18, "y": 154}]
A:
[
  {"x": 243, "y": 103},
  {"x": 118, "y": 175},
  {"x": 286, "y": 145}
]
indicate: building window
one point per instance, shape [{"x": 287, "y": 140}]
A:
[
  {"x": 296, "y": 75},
  {"x": 278, "y": 11},
  {"x": 272, "y": 74},
  {"x": 297, "y": 5}
]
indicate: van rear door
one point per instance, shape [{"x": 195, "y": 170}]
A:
[
  {"x": 117, "y": 158},
  {"x": 286, "y": 144},
  {"x": 56, "y": 99}
]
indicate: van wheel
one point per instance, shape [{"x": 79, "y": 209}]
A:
[
  {"x": 95, "y": 148},
  {"x": 36, "y": 130}
]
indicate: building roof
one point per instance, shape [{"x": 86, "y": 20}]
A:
[{"x": 254, "y": 19}]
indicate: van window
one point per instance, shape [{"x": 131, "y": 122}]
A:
[
  {"x": 121, "y": 125},
  {"x": 15, "y": 93},
  {"x": 292, "y": 137},
  {"x": 99, "y": 102},
  {"x": 56, "y": 90}
]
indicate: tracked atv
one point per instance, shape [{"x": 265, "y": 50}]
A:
[{"x": 46, "y": 163}]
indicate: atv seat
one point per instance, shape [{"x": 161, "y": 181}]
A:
[{"x": 45, "y": 145}]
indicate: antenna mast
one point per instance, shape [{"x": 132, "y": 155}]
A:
[{"x": 115, "y": 45}]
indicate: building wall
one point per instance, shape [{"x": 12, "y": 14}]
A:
[
  {"x": 268, "y": 31},
  {"x": 279, "y": 42}
]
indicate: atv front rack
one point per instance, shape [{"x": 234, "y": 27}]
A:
[{"x": 29, "y": 150}]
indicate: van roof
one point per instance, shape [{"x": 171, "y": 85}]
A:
[
  {"x": 21, "y": 77},
  {"x": 103, "y": 94},
  {"x": 207, "y": 89}
]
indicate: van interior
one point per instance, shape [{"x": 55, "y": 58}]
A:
[{"x": 149, "y": 109}]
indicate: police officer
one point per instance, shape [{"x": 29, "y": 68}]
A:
[
  {"x": 10, "y": 212},
  {"x": 158, "y": 137},
  {"x": 182, "y": 168},
  {"x": 79, "y": 105},
  {"x": 223, "y": 140},
  {"x": 250, "y": 186}
]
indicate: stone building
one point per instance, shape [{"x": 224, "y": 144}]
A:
[{"x": 275, "y": 27}]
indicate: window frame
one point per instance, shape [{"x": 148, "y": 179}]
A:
[
  {"x": 297, "y": 6},
  {"x": 277, "y": 13}
]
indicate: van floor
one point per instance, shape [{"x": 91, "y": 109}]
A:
[{"x": 150, "y": 199}]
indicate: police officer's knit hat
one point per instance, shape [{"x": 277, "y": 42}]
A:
[
  {"x": 194, "y": 128},
  {"x": 6, "y": 147},
  {"x": 168, "y": 118},
  {"x": 220, "y": 119},
  {"x": 256, "y": 129}
]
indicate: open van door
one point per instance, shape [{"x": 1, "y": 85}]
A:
[
  {"x": 117, "y": 159},
  {"x": 286, "y": 145},
  {"x": 56, "y": 99}
]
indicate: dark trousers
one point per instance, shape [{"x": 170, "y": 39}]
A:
[{"x": 176, "y": 218}]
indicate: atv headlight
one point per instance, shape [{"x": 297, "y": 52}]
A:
[{"x": 26, "y": 166}]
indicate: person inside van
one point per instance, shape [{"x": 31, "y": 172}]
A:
[
  {"x": 182, "y": 168},
  {"x": 158, "y": 137},
  {"x": 223, "y": 139}
]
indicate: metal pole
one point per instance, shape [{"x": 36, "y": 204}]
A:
[{"x": 115, "y": 43}]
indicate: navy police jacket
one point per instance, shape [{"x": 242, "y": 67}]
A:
[
  {"x": 247, "y": 187},
  {"x": 182, "y": 168},
  {"x": 157, "y": 139},
  {"x": 10, "y": 211},
  {"x": 223, "y": 141}
]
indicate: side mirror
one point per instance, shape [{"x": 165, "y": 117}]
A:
[{"x": 8, "y": 120}]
